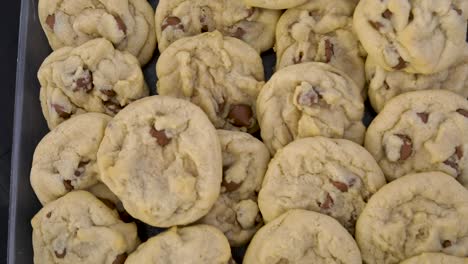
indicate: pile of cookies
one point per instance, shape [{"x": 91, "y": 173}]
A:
[{"x": 315, "y": 186}]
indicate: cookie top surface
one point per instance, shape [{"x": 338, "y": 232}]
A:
[
  {"x": 421, "y": 131},
  {"x": 222, "y": 75},
  {"x": 77, "y": 229},
  {"x": 435, "y": 258},
  {"x": 177, "y": 19},
  {"x": 417, "y": 213},
  {"x": 275, "y": 4},
  {"x": 417, "y": 36},
  {"x": 161, "y": 156},
  {"x": 309, "y": 99},
  {"x": 128, "y": 24},
  {"x": 300, "y": 236}
]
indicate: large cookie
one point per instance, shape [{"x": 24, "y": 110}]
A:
[
  {"x": 417, "y": 36},
  {"x": 80, "y": 229},
  {"x": 421, "y": 131},
  {"x": 435, "y": 258},
  {"x": 309, "y": 99},
  {"x": 176, "y": 19},
  {"x": 222, "y": 75},
  {"x": 300, "y": 236},
  {"x": 236, "y": 213},
  {"x": 128, "y": 24},
  {"x": 275, "y": 4},
  {"x": 417, "y": 213},
  {"x": 162, "y": 157},
  {"x": 93, "y": 77}
]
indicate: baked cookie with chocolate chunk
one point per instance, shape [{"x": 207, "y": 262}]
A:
[
  {"x": 176, "y": 19},
  {"x": 300, "y": 236},
  {"x": 161, "y": 156},
  {"x": 306, "y": 100},
  {"x": 79, "y": 229},
  {"x": 275, "y": 4},
  {"x": 435, "y": 258},
  {"x": 198, "y": 244},
  {"x": 335, "y": 177},
  {"x": 222, "y": 75},
  {"x": 423, "y": 212},
  {"x": 415, "y": 36},
  {"x": 128, "y": 24},
  {"x": 236, "y": 213},
  {"x": 93, "y": 77},
  {"x": 421, "y": 131}
]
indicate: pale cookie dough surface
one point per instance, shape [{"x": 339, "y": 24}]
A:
[
  {"x": 300, "y": 236},
  {"x": 385, "y": 85},
  {"x": 176, "y": 19},
  {"x": 416, "y": 36},
  {"x": 421, "y": 131},
  {"x": 309, "y": 99},
  {"x": 128, "y": 24},
  {"x": 79, "y": 229},
  {"x": 417, "y": 213},
  {"x": 162, "y": 157},
  {"x": 93, "y": 77},
  {"x": 275, "y": 4},
  {"x": 222, "y": 75},
  {"x": 321, "y": 31},
  {"x": 435, "y": 258},
  {"x": 198, "y": 244},
  {"x": 65, "y": 159},
  {"x": 236, "y": 213}
]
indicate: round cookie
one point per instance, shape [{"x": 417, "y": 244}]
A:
[
  {"x": 236, "y": 213},
  {"x": 417, "y": 36},
  {"x": 275, "y": 4},
  {"x": 300, "y": 236},
  {"x": 128, "y": 24},
  {"x": 65, "y": 159},
  {"x": 417, "y": 213},
  {"x": 321, "y": 31},
  {"x": 222, "y": 75},
  {"x": 435, "y": 258},
  {"x": 176, "y": 19},
  {"x": 93, "y": 77},
  {"x": 384, "y": 85},
  {"x": 309, "y": 99},
  {"x": 421, "y": 131},
  {"x": 197, "y": 244},
  {"x": 335, "y": 177},
  {"x": 79, "y": 229},
  {"x": 162, "y": 157}
]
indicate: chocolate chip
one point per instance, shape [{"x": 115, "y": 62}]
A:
[
  {"x": 81, "y": 168},
  {"x": 376, "y": 25},
  {"x": 50, "y": 21},
  {"x": 160, "y": 136},
  {"x": 387, "y": 14},
  {"x": 172, "y": 21},
  {"x": 49, "y": 214},
  {"x": 121, "y": 24},
  {"x": 68, "y": 185},
  {"x": 463, "y": 112},
  {"x": 60, "y": 110},
  {"x": 446, "y": 244},
  {"x": 120, "y": 259},
  {"x": 385, "y": 85},
  {"x": 85, "y": 82},
  {"x": 231, "y": 186},
  {"x": 410, "y": 17},
  {"x": 453, "y": 160},
  {"x": 250, "y": 11},
  {"x": 240, "y": 115},
  {"x": 108, "y": 203},
  {"x": 459, "y": 152},
  {"x": 329, "y": 52},
  {"x": 327, "y": 204},
  {"x": 424, "y": 117},
  {"x": 239, "y": 33},
  {"x": 109, "y": 93},
  {"x": 458, "y": 10},
  {"x": 113, "y": 106},
  {"x": 61, "y": 255},
  {"x": 299, "y": 59},
  {"x": 204, "y": 29},
  {"x": 401, "y": 64},
  {"x": 309, "y": 98},
  {"x": 406, "y": 148},
  {"x": 340, "y": 185}
]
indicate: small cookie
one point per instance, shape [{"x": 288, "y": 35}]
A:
[
  {"x": 335, "y": 177},
  {"x": 162, "y": 157},
  {"x": 275, "y": 4},
  {"x": 236, "y": 213},
  {"x": 309, "y": 99},
  {"x": 413, "y": 36},
  {"x": 423, "y": 212},
  {"x": 78, "y": 229},
  {"x": 128, "y": 24},
  {"x": 176, "y": 19},
  {"x": 65, "y": 159},
  {"x": 222, "y": 75},
  {"x": 421, "y": 131},
  {"x": 93, "y": 77},
  {"x": 384, "y": 85},
  {"x": 321, "y": 31},
  {"x": 300, "y": 236},
  {"x": 198, "y": 244},
  {"x": 435, "y": 258}
]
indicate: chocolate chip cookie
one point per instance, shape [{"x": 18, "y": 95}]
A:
[
  {"x": 222, "y": 75},
  {"x": 275, "y": 4},
  {"x": 309, "y": 99},
  {"x": 162, "y": 157},
  {"x": 93, "y": 77},
  {"x": 300, "y": 236},
  {"x": 236, "y": 213},
  {"x": 128, "y": 24},
  {"x": 176, "y": 19},
  {"x": 78, "y": 228},
  {"x": 423, "y": 212},
  {"x": 435, "y": 258},
  {"x": 421, "y": 131}
]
